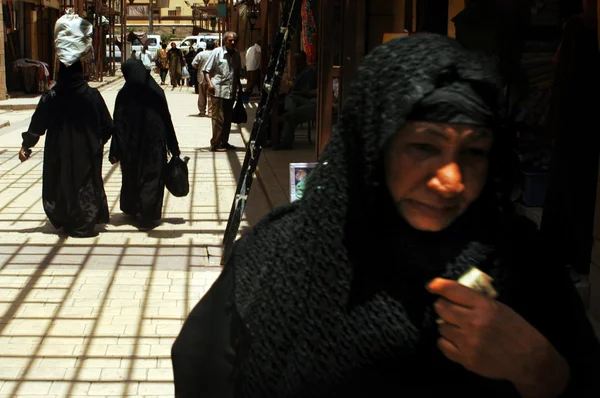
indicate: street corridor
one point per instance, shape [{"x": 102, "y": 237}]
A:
[{"x": 97, "y": 317}]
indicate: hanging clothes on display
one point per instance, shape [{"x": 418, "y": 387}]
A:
[
  {"x": 30, "y": 76},
  {"x": 309, "y": 28},
  {"x": 568, "y": 217}
]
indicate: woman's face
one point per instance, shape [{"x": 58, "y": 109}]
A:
[{"x": 434, "y": 171}]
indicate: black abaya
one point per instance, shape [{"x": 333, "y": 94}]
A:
[
  {"x": 78, "y": 125},
  {"x": 144, "y": 130}
]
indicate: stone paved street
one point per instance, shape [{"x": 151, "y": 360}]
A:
[{"x": 97, "y": 317}]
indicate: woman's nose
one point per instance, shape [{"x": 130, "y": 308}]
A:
[{"x": 448, "y": 181}]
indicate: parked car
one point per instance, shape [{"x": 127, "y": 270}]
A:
[
  {"x": 154, "y": 42},
  {"x": 188, "y": 41}
]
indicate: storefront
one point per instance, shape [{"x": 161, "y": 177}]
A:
[
  {"x": 348, "y": 30},
  {"x": 29, "y": 44}
]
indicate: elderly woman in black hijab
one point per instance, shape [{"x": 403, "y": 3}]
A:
[
  {"x": 144, "y": 132},
  {"x": 78, "y": 125},
  {"x": 352, "y": 290}
]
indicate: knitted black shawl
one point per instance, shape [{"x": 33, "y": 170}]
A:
[{"x": 311, "y": 280}]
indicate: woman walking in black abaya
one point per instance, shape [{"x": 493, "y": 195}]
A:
[
  {"x": 144, "y": 131},
  {"x": 78, "y": 124}
]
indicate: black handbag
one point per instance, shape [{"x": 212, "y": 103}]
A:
[
  {"x": 239, "y": 113},
  {"x": 176, "y": 180}
]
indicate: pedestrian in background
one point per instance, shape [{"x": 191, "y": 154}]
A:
[
  {"x": 222, "y": 73},
  {"x": 253, "y": 62},
  {"x": 146, "y": 59},
  {"x": 176, "y": 64},
  {"x": 205, "y": 107},
  {"x": 189, "y": 59},
  {"x": 163, "y": 63}
]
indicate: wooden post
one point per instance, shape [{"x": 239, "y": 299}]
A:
[
  {"x": 265, "y": 9},
  {"x": 235, "y": 19},
  {"x": 454, "y": 7},
  {"x": 353, "y": 42},
  {"x": 399, "y": 15},
  {"x": 124, "y": 53},
  {"x": 414, "y": 15},
  {"x": 594, "y": 302},
  {"x": 274, "y": 21},
  {"x": 325, "y": 75},
  {"x": 79, "y": 7}
]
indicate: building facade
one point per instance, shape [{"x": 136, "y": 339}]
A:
[{"x": 172, "y": 18}]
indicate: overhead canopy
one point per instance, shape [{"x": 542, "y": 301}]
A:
[
  {"x": 46, "y": 3},
  {"x": 51, "y": 4}
]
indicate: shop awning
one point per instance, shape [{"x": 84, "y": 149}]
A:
[
  {"x": 51, "y": 4},
  {"x": 46, "y": 3}
]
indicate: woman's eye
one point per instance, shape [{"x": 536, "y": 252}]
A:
[
  {"x": 476, "y": 152},
  {"x": 425, "y": 148}
]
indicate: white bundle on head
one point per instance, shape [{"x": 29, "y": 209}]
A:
[{"x": 73, "y": 38}]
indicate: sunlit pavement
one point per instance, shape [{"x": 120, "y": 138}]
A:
[{"x": 98, "y": 316}]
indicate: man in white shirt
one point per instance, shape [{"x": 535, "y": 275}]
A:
[
  {"x": 222, "y": 73},
  {"x": 146, "y": 59},
  {"x": 203, "y": 44},
  {"x": 204, "y": 99},
  {"x": 253, "y": 61}
]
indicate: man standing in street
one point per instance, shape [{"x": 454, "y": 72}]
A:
[
  {"x": 225, "y": 66},
  {"x": 199, "y": 62},
  {"x": 202, "y": 45},
  {"x": 253, "y": 58},
  {"x": 146, "y": 59}
]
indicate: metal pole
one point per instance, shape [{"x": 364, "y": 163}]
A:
[{"x": 289, "y": 21}]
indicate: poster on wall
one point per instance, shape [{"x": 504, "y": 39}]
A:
[{"x": 298, "y": 174}]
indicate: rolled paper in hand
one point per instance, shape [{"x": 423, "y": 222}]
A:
[{"x": 479, "y": 281}]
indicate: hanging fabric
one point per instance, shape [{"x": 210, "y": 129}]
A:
[{"x": 310, "y": 34}]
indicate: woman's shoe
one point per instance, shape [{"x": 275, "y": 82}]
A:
[{"x": 148, "y": 225}]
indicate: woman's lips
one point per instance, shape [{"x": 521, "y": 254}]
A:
[{"x": 433, "y": 210}]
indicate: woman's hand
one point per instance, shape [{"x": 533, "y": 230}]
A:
[
  {"x": 490, "y": 339},
  {"x": 23, "y": 156}
]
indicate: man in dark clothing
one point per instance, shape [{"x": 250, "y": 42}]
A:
[
  {"x": 189, "y": 59},
  {"x": 176, "y": 64},
  {"x": 300, "y": 105}
]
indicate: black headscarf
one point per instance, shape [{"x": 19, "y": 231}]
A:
[
  {"x": 139, "y": 80},
  {"x": 70, "y": 79},
  {"x": 139, "y": 101},
  {"x": 324, "y": 284}
]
